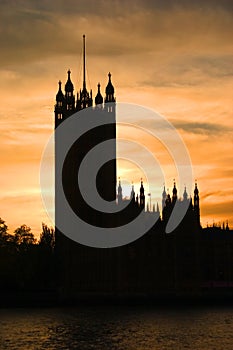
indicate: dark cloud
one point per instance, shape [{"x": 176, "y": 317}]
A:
[
  {"x": 190, "y": 70},
  {"x": 115, "y": 7},
  {"x": 222, "y": 194},
  {"x": 187, "y": 4},
  {"x": 201, "y": 128},
  {"x": 32, "y": 30}
]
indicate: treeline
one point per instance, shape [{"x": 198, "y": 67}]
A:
[
  {"x": 25, "y": 263},
  {"x": 24, "y": 238}
]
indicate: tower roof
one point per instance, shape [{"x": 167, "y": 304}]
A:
[
  {"x": 99, "y": 97},
  {"x": 69, "y": 87},
  {"x": 185, "y": 194},
  {"x": 196, "y": 191},
  {"x": 59, "y": 96},
  {"x": 164, "y": 194},
  {"x": 119, "y": 186},
  {"x": 109, "y": 88},
  {"x": 174, "y": 191}
]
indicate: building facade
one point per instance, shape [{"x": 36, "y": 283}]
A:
[{"x": 159, "y": 264}]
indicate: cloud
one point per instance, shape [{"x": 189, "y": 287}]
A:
[
  {"x": 190, "y": 70},
  {"x": 34, "y": 30},
  {"x": 204, "y": 128},
  {"x": 218, "y": 209}
]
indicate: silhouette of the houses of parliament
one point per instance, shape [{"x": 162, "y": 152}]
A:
[{"x": 188, "y": 261}]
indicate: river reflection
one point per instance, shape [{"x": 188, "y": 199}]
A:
[{"x": 122, "y": 328}]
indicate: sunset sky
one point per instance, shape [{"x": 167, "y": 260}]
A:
[{"x": 175, "y": 57}]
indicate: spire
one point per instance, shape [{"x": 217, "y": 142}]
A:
[
  {"x": 132, "y": 195},
  {"x": 84, "y": 63},
  {"x": 60, "y": 106},
  {"x": 168, "y": 199},
  {"x": 85, "y": 98},
  {"x": 141, "y": 188},
  {"x": 164, "y": 196},
  {"x": 59, "y": 96},
  {"x": 196, "y": 206},
  {"x": 109, "y": 90},
  {"x": 174, "y": 193},
  {"x": 69, "y": 87},
  {"x": 119, "y": 195},
  {"x": 185, "y": 194},
  {"x": 99, "y": 97},
  {"x": 164, "y": 192},
  {"x": 142, "y": 196},
  {"x": 196, "y": 191}
]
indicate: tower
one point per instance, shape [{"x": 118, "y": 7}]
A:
[
  {"x": 174, "y": 194},
  {"x": 60, "y": 106},
  {"x": 167, "y": 209},
  {"x": 185, "y": 194},
  {"x": 164, "y": 196},
  {"x": 106, "y": 179},
  {"x": 109, "y": 90},
  {"x": 99, "y": 98},
  {"x": 66, "y": 105},
  {"x": 132, "y": 194},
  {"x": 84, "y": 99},
  {"x": 196, "y": 206},
  {"x": 119, "y": 192},
  {"x": 69, "y": 95},
  {"x": 142, "y": 196}
]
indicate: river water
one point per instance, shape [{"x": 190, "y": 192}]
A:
[{"x": 122, "y": 328}]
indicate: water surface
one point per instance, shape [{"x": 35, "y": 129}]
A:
[{"x": 122, "y": 328}]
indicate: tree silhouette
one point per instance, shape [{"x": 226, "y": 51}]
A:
[
  {"x": 23, "y": 236},
  {"x": 4, "y": 235},
  {"x": 47, "y": 237}
]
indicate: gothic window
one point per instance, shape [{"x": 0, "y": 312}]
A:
[
  {"x": 59, "y": 116},
  {"x": 59, "y": 103}
]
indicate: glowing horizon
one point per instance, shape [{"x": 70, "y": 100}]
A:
[{"x": 179, "y": 65}]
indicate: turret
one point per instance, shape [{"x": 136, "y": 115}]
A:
[
  {"x": 185, "y": 194},
  {"x": 174, "y": 193},
  {"x": 99, "y": 97},
  {"x": 164, "y": 195},
  {"x": 59, "y": 106},
  {"x": 142, "y": 196},
  {"x": 132, "y": 194},
  {"x": 109, "y": 91},
  {"x": 168, "y": 201},
  {"x": 166, "y": 211},
  {"x": 119, "y": 192},
  {"x": 196, "y": 206},
  {"x": 69, "y": 95}
]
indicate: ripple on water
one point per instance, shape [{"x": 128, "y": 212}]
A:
[{"x": 120, "y": 328}]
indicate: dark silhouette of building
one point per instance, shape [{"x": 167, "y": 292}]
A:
[{"x": 188, "y": 261}]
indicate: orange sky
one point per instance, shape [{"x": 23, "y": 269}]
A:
[{"x": 172, "y": 56}]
